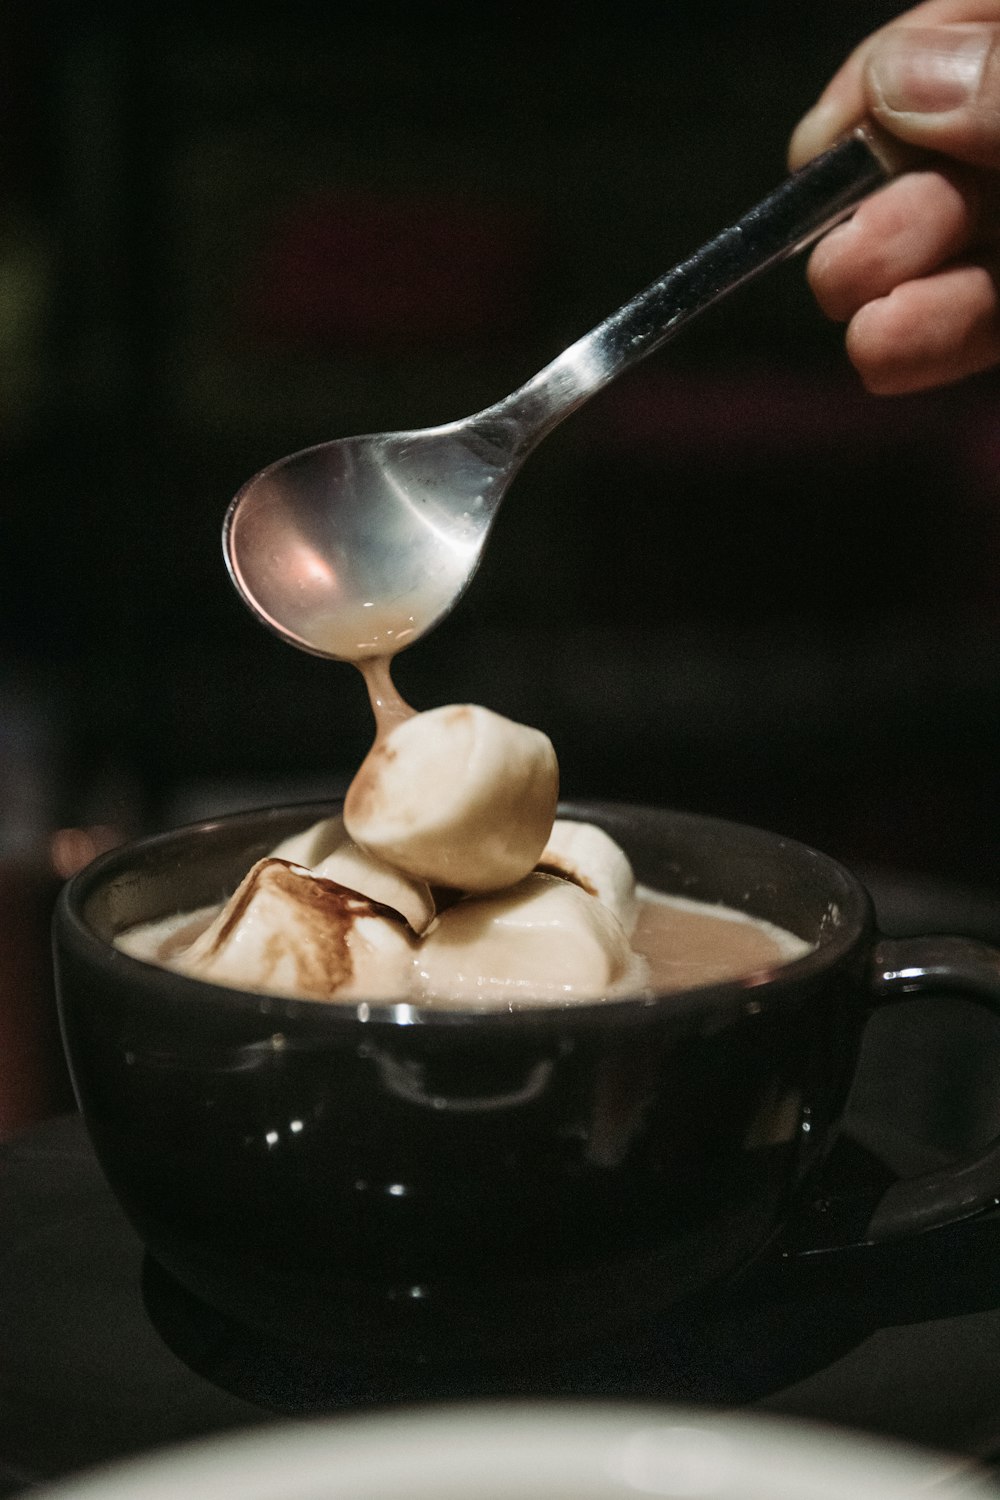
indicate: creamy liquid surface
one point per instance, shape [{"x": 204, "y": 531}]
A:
[
  {"x": 679, "y": 945},
  {"x": 688, "y": 943},
  {"x": 361, "y": 629}
]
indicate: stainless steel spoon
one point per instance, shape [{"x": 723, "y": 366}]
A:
[{"x": 355, "y": 548}]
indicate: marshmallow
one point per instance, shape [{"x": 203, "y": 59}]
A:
[
  {"x": 545, "y": 939},
  {"x": 458, "y": 797},
  {"x": 286, "y": 932}
]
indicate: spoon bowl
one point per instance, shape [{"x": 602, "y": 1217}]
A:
[{"x": 356, "y": 548}]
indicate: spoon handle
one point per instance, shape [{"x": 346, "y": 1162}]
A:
[{"x": 795, "y": 214}]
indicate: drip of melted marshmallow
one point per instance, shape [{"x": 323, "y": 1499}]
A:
[{"x": 388, "y": 707}]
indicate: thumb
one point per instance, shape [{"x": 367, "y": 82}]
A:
[{"x": 939, "y": 87}]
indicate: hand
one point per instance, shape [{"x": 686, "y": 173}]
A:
[{"x": 915, "y": 274}]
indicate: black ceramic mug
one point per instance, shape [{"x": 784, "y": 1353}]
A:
[{"x": 418, "y": 1184}]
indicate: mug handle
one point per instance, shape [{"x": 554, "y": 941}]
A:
[{"x": 901, "y": 968}]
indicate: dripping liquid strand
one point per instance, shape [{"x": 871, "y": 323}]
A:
[{"x": 388, "y": 707}]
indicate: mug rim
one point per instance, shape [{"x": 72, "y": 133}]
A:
[{"x": 750, "y": 991}]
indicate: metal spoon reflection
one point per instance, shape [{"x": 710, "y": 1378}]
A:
[{"x": 355, "y": 548}]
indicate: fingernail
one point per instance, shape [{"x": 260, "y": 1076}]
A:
[{"x": 928, "y": 70}]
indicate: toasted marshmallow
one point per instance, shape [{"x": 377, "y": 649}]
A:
[
  {"x": 285, "y": 931},
  {"x": 351, "y": 866},
  {"x": 589, "y": 857},
  {"x": 545, "y": 939},
  {"x": 458, "y": 796},
  {"x": 313, "y": 844},
  {"x": 326, "y": 850}
]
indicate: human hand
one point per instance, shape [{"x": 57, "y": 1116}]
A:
[{"x": 915, "y": 273}]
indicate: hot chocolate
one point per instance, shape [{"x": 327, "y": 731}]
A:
[
  {"x": 575, "y": 929},
  {"x": 449, "y": 881}
]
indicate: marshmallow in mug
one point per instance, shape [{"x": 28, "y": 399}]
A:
[{"x": 447, "y": 876}]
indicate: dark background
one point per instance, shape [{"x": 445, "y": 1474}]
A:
[{"x": 733, "y": 582}]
